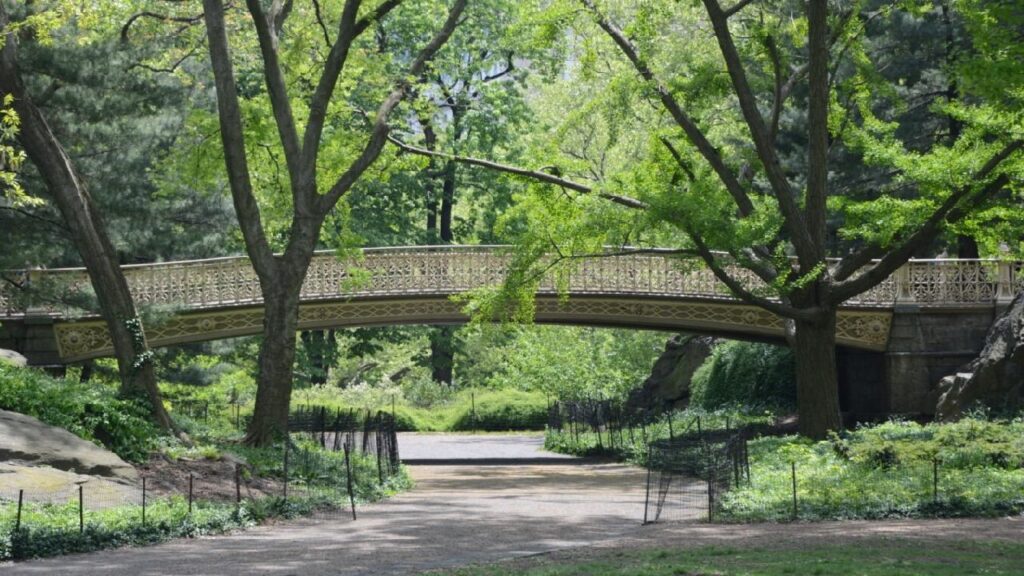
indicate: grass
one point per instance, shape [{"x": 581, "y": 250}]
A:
[{"x": 863, "y": 558}]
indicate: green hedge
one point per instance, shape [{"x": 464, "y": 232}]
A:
[
  {"x": 503, "y": 410},
  {"x": 495, "y": 410},
  {"x": 746, "y": 374},
  {"x": 90, "y": 410}
]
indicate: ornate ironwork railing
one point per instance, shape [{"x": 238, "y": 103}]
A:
[{"x": 444, "y": 270}]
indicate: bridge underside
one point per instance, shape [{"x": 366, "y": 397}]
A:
[{"x": 72, "y": 341}]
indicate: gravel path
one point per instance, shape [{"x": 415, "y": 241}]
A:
[
  {"x": 455, "y": 515},
  {"x": 461, "y": 515},
  {"x": 427, "y": 448}
]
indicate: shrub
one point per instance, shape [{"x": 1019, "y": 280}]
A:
[
  {"x": 88, "y": 410},
  {"x": 745, "y": 374},
  {"x": 896, "y": 469},
  {"x": 503, "y": 410}
]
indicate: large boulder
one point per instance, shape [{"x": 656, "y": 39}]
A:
[
  {"x": 669, "y": 382},
  {"x": 26, "y": 440},
  {"x": 13, "y": 358},
  {"x": 996, "y": 377}
]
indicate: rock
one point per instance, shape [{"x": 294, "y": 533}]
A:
[
  {"x": 669, "y": 382},
  {"x": 996, "y": 377},
  {"x": 44, "y": 484},
  {"x": 26, "y": 440},
  {"x": 13, "y": 358}
]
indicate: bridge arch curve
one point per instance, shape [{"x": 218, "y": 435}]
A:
[{"x": 220, "y": 298}]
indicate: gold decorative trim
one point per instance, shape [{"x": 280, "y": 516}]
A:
[{"x": 856, "y": 328}]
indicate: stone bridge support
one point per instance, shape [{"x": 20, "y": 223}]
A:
[{"x": 924, "y": 346}]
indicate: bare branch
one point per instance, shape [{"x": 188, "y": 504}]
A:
[
  {"x": 233, "y": 138},
  {"x": 524, "y": 172},
  {"x": 349, "y": 28},
  {"x": 156, "y": 16},
  {"x": 799, "y": 234},
  {"x": 277, "y": 89},
  {"x": 737, "y": 7},
  {"x": 741, "y": 292},
  {"x": 320, "y": 22}
]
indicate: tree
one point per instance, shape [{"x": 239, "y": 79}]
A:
[
  {"x": 88, "y": 231},
  {"x": 707, "y": 175},
  {"x": 281, "y": 276},
  {"x": 473, "y": 103}
]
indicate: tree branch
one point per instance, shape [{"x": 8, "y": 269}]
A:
[
  {"x": 737, "y": 7},
  {"x": 379, "y": 133},
  {"x": 524, "y": 172},
  {"x": 233, "y": 138},
  {"x": 741, "y": 292},
  {"x": 156, "y": 16},
  {"x": 950, "y": 212},
  {"x": 799, "y": 234},
  {"x": 278, "y": 91},
  {"x": 683, "y": 120}
]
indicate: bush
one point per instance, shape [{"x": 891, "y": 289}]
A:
[
  {"x": 745, "y": 374},
  {"x": 496, "y": 410},
  {"x": 88, "y": 410},
  {"x": 503, "y": 410},
  {"x": 897, "y": 469}
]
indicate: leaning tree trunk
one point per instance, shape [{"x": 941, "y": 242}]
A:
[
  {"x": 89, "y": 234},
  {"x": 817, "y": 382}
]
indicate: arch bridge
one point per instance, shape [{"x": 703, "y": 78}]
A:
[{"x": 930, "y": 315}]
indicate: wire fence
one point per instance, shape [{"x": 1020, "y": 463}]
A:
[
  {"x": 708, "y": 476},
  {"x": 315, "y": 471}
]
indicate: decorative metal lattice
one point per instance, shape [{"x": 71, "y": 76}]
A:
[{"x": 231, "y": 282}]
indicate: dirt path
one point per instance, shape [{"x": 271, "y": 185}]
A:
[
  {"x": 456, "y": 515},
  {"x": 460, "y": 515}
]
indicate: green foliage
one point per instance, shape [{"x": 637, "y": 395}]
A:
[
  {"x": 745, "y": 374},
  {"x": 631, "y": 444},
  {"x": 52, "y": 529},
  {"x": 88, "y": 410},
  {"x": 494, "y": 409},
  {"x": 313, "y": 467},
  {"x": 504, "y": 410},
  {"x": 898, "y": 469}
]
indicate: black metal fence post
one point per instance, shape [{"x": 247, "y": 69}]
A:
[
  {"x": 711, "y": 495},
  {"x": 286, "y": 469},
  {"x": 81, "y": 509},
  {"x": 189, "y": 493},
  {"x": 17, "y": 519},
  {"x": 143, "y": 500},
  {"x": 348, "y": 481},
  {"x": 647, "y": 494},
  {"x": 793, "y": 467},
  {"x": 238, "y": 491},
  {"x": 935, "y": 480}
]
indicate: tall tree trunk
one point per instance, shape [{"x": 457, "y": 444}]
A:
[
  {"x": 817, "y": 382},
  {"x": 439, "y": 225},
  {"x": 89, "y": 234},
  {"x": 275, "y": 365},
  {"x": 319, "y": 346}
]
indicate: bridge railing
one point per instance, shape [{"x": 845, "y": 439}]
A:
[{"x": 444, "y": 270}]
